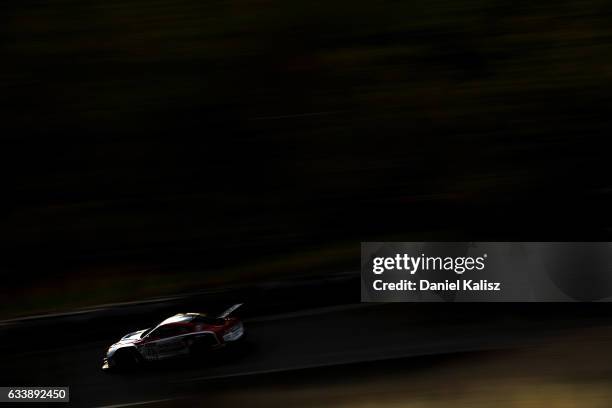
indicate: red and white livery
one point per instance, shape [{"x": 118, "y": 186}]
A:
[{"x": 180, "y": 335}]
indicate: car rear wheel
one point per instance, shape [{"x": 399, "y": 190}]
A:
[{"x": 201, "y": 344}]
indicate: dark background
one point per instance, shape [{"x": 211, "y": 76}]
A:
[{"x": 154, "y": 147}]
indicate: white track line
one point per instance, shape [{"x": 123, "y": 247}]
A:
[
  {"x": 133, "y": 404},
  {"x": 91, "y": 309},
  {"x": 349, "y": 361},
  {"x": 105, "y": 306},
  {"x": 310, "y": 312},
  {"x": 296, "y": 115},
  {"x": 261, "y": 319}
]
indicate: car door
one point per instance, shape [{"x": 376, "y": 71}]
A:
[
  {"x": 171, "y": 341},
  {"x": 148, "y": 349}
]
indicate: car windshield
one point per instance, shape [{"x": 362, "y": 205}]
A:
[{"x": 144, "y": 333}]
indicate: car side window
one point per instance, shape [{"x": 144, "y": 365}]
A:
[{"x": 168, "y": 331}]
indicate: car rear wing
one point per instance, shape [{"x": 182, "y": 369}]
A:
[{"x": 230, "y": 310}]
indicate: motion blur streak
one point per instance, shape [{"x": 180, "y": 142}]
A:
[
  {"x": 131, "y": 146},
  {"x": 544, "y": 376}
]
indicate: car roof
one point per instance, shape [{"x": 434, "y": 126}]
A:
[{"x": 181, "y": 318}]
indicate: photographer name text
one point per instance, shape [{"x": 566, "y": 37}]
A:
[{"x": 424, "y": 285}]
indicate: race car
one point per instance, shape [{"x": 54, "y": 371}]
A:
[{"x": 183, "y": 334}]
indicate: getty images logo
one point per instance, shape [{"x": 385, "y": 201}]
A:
[{"x": 413, "y": 264}]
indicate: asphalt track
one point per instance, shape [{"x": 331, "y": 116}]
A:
[{"x": 320, "y": 337}]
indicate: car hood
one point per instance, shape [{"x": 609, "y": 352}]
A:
[
  {"x": 128, "y": 339},
  {"x": 133, "y": 336}
]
